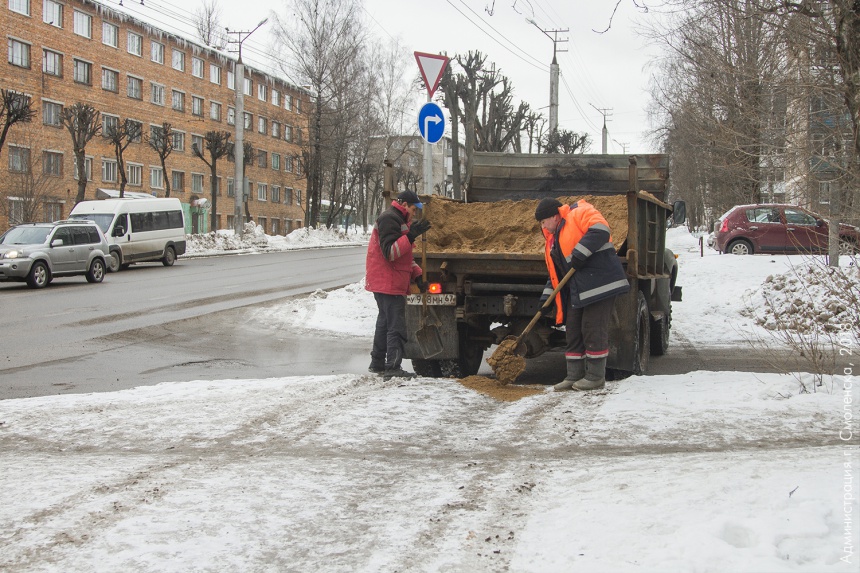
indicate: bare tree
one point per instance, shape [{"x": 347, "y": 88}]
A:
[
  {"x": 83, "y": 122},
  {"x": 217, "y": 144},
  {"x": 32, "y": 187},
  {"x": 161, "y": 140},
  {"x": 207, "y": 22},
  {"x": 14, "y": 108},
  {"x": 566, "y": 142},
  {"x": 126, "y": 132}
]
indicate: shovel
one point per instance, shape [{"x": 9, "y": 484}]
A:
[
  {"x": 518, "y": 347},
  {"x": 428, "y": 337}
]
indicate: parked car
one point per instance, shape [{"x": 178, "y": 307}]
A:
[
  {"x": 776, "y": 228},
  {"x": 38, "y": 252}
]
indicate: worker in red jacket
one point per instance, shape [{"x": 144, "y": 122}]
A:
[
  {"x": 578, "y": 237},
  {"x": 390, "y": 269}
]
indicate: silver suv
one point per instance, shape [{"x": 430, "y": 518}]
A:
[{"x": 38, "y": 252}]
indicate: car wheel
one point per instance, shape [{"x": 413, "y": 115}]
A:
[
  {"x": 169, "y": 257},
  {"x": 847, "y": 246},
  {"x": 113, "y": 262},
  {"x": 39, "y": 275},
  {"x": 739, "y": 247},
  {"x": 96, "y": 274}
]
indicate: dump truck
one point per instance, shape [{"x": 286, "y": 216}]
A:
[{"x": 477, "y": 297}]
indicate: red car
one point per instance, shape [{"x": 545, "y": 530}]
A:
[{"x": 771, "y": 228}]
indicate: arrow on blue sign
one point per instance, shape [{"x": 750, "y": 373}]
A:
[{"x": 431, "y": 122}]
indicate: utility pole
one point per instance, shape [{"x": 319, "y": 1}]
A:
[
  {"x": 239, "y": 121},
  {"x": 604, "y": 111},
  {"x": 623, "y": 146},
  {"x": 553, "y": 73}
]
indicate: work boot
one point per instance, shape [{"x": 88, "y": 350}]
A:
[
  {"x": 377, "y": 366},
  {"x": 575, "y": 372},
  {"x": 396, "y": 372},
  {"x": 595, "y": 375}
]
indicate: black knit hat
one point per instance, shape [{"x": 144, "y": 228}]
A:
[{"x": 547, "y": 208}]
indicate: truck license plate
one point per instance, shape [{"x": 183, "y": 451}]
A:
[{"x": 435, "y": 299}]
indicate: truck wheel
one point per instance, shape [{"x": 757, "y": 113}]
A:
[
  {"x": 660, "y": 336},
  {"x": 113, "y": 262},
  {"x": 169, "y": 257},
  {"x": 427, "y": 368},
  {"x": 642, "y": 342},
  {"x": 469, "y": 361}
]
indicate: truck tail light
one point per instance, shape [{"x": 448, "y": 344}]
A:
[{"x": 434, "y": 288}]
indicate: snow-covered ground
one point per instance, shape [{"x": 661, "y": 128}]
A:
[{"x": 707, "y": 471}]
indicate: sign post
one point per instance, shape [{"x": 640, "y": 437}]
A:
[{"x": 431, "y": 120}]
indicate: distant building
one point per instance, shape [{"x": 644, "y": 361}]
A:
[
  {"x": 406, "y": 152},
  {"x": 61, "y": 52}
]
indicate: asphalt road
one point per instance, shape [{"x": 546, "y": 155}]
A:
[{"x": 151, "y": 324}]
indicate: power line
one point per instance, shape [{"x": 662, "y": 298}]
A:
[{"x": 537, "y": 62}]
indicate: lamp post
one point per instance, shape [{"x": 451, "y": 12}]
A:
[{"x": 239, "y": 146}]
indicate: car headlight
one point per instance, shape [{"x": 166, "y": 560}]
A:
[{"x": 13, "y": 254}]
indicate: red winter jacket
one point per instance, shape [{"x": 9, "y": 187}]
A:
[{"x": 390, "y": 265}]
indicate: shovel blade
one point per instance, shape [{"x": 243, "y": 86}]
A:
[{"x": 429, "y": 340}]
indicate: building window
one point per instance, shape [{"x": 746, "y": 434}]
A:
[
  {"x": 135, "y": 129},
  {"x": 288, "y": 195},
  {"x": 231, "y": 115},
  {"x": 52, "y": 113},
  {"x": 52, "y": 13},
  {"x": 110, "y": 80},
  {"x": 83, "y": 24},
  {"x": 231, "y": 79},
  {"x": 298, "y": 105},
  {"x": 262, "y": 125},
  {"x": 262, "y": 158},
  {"x": 196, "y": 67},
  {"x": 248, "y": 120},
  {"x": 197, "y": 106},
  {"x": 52, "y": 64},
  {"x": 53, "y": 211},
  {"x": 197, "y": 141},
  {"x": 135, "y": 44},
  {"x": 178, "y": 101},
  {"x": 262, "y": 192},
  {"x": 135, "y": 87},
  {"x": 249, "y": 86},
  {"x": 88, "y": 168},
  {"x": 156, "y": 52},
  {"x": 276, "y": 98},
  {"x": 52, "y": 163},
  {"x": 214, "y": 74},
  {"x": 288, "y": 102},
  {"x": 19, "y": 53},
  {"x": 156, "y": 178},
  {"x": 262, "y": 222},
  {"x": 288, "y": 164},
  {"x": 83, "y": 72},
  {"x": 178, "y": 140},
  {"x": 299, "y": 198},
  {"x": 109, "y": 171},
  {"x": 20, "y": 6},
  {"x": 178, "y": 60},
  {"x": 288, "y": 133},
  {"x": 262, "y": 94},
  {"x": 276, "y": 161},
  {"x": 276, "y": 194},
  {"x": 215, "y": 111},
  {"x": 231, "y": 190},
  {"x": 276, "y": 129},
  {"x": 197, "y": 183},
  {"x": 298, "y": 167},
  {"x": 157, "y": 94},
  {"x": 276, "y": 230},
  {"x": 218, "y": 183},
  {"x": 109, "y": 125},
  {"x": 110, "y": 35},
  {"x": 178, "y": 181},
  {"x": 19, "y": 159},
  {"x": 135, "y": 174}
]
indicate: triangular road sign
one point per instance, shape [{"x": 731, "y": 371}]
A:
[{"x": 432, "y": 67}]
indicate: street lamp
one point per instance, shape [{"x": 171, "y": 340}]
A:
[{"x": 239, "y": 146}]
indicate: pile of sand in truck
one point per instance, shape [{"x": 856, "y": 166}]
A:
[{"x": 505, "y": 226}]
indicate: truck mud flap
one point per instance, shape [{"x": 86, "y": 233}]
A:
[{"x": 444, "y": 321}]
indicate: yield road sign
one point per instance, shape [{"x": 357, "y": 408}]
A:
[
  {"x": 431, "y": 122},
  {"x": 432, "y": 66}
]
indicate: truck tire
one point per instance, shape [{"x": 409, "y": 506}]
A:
[
  {"x": 427, "y": 368},
  {"x": 469, "y": 361},
  {"x": 642, "y": 341},
  {"x": 660, "y": 335}
]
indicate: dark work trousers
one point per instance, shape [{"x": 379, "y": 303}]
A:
[
  {"x": 587, "y": 330},
  {"x": 390, "y": 334}
]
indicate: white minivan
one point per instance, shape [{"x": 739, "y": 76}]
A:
[{"x": 137, "y": 230}]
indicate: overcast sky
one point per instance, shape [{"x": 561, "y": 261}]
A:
[{"x": 607, "y": 71}]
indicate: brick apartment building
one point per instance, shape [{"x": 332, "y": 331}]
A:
[{"x": 61, "y": 52}]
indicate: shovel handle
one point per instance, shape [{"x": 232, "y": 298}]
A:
[{"x": 546, "y": 304}]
